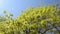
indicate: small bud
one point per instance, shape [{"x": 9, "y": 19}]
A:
[
  {"x": 11, "y": 14},
  {"x": 4, "y": 12}
]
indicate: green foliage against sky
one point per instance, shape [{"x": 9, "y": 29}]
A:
[{"x": 36, "y": 20}]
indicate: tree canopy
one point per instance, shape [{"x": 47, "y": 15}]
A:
[{"x": 38, "y": 20}]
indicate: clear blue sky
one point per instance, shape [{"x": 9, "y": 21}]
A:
[{"x": 15, "y": 6}]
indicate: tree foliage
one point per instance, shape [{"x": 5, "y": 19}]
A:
[{"x": 42, "y": 20}]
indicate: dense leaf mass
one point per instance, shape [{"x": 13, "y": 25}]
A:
[{"x": 42, "y": 20}]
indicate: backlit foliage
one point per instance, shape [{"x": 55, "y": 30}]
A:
[{"x": 42, "y": 20}]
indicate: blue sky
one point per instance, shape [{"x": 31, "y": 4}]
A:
[{"x": 16, "y": 6}]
